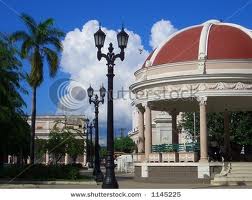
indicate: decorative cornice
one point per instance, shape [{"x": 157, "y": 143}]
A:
[
  {"x": 189, "y": 79},
  {"x": 205, "y": 86},
  {"x": 192, "y": 91}
]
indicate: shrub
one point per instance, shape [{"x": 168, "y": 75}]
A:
[{"x": 40, "y": 172}]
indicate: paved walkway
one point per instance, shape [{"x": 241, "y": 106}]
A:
[{"x": 125, "y": 181}]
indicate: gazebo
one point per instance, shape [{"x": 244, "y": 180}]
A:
[{"x": 205, "y": 68}]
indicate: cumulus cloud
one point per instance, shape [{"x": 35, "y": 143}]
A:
[
  {"x": 79, "y": 60},
  {"x": 160, "y": 32}
]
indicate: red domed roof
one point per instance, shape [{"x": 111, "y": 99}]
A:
[
  {"x": 213, "y": 39},
  {"x": 183, "y": 47},
  {"x": 227, "y": 42}
]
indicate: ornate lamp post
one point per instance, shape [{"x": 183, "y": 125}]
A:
[
  {"x": 122, "y": 38},
  {"x": 96, "y": 101},
  {"x": 90, "y": 126},
  {"x": 87, "y": 142}
]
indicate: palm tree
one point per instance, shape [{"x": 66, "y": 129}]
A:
[{"x": 41, "y": 43}]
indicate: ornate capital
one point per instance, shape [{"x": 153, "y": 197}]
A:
[
  {"x": 173, "y": 112},
  {"x": 147, "y": 104},
  {"x": 202, "y": 100},
  {"x": 140, "y": 108}
]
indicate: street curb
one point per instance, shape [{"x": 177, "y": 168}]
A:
[{"x": 23, "y": 183}]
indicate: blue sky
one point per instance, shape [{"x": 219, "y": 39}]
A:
[{"x": 137, "y": 15}]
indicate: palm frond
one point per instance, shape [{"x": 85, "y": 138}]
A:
[
  {"x": 36, "y": 75},
  {"x": 27, "y": 45},
  {"x": 53, "y": 60},
  {"x": 19, "y": 35},
  {"x": 55, "y": 42},
  {"x": 29, "y": 22},
  {"x": 55, "y": 32},
  {"x": 42, "y": 31},
  {"x": 47, "y": 23}
]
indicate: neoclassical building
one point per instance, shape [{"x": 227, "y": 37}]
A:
[
  {"x": 202, "y": 68},
  {"x": 45, "y": 124}
]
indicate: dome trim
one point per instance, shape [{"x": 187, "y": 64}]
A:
[
  {"x": 203, "y": 43},
  {"x": 246, "y": 30}
]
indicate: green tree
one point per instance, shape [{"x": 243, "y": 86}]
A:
[
  {"x": 124, "y": 144},
  {"x": 103, "y": 152},
  {"x": 74, "y": 147},
  {"x": 14, "y": 134},
  {"x": 56, "y": 145},
  {"x": 40, "y": 148},
  {"x": 240, "y": 126},
  {"x": 65, "y": 139},
  {"x": 40, "y": 43}
]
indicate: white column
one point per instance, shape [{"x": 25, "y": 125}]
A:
[
  {"x": 66, "y": 158},
  {"x": 28, "y": 160},
  {"x": 47, "y": 158},
  {"x": 84, "y": 160},
  {"x": 226, "y": 135},
  {"x": 148, "y": 131},
  {"x": 140, "y": 130},
  {"x": 203, "y": 129},
  {"x": 175, "y": 139},
  {"x": 9, "y": 159}
]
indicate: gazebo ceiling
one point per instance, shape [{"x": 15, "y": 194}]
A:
[{"x": 214, "y": 104}]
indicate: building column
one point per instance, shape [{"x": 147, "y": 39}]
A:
[
  {"x": 28, "y": 160},
  {"x": 226, "y": 135},
  {"x": 141, "y": 129},
  {"x": 203, "y": 129},
  {"x": 148, "y": 131},
  {"x": 66, "y": 159},
  {"x": 9, "y": 159},
  {"x": 84, "y": 160},
  {"x": 175, "y": 138},
  {"x": 47, "y": 157}
]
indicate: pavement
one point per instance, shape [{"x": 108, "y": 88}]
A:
[{"x": 125, "y": 181}]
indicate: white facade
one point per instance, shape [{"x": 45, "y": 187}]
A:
[{"x": 45, "y": 124}]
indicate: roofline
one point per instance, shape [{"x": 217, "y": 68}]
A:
[
  {"x": 203, "y": 43},
  {"x": 57, "y": 116}
]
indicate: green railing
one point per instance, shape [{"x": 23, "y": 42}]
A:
[{"x": 189, "y": 147}]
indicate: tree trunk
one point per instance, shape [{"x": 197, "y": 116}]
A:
[
  {"x": 33, "y": 122},
  {"x": 21, "y": 157},
  {"x": 74, "y": 158},
  {"x": 58, "y": 158}
]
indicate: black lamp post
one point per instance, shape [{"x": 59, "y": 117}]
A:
[
  {"x": 96, "y": 101},
  {"x": 87, "y": 142},
  {"x": 90, "y": 126},
  {"x": 122, "y": 38}
]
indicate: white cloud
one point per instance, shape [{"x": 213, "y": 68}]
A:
[
  {"x": 160, "y": 32},
  {"x": 79, "y": 60}
]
